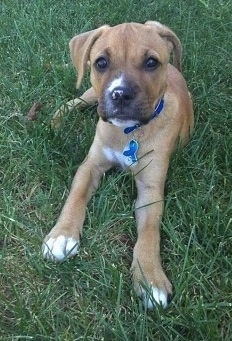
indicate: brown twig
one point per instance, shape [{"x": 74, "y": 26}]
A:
[{"x": 33, "y": 112}]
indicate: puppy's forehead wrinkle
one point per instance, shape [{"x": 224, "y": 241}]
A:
[
  {"x": 125, "y": 33},
  {"x": 128, "y": 30},
  {"x": 128, "y": 33}
]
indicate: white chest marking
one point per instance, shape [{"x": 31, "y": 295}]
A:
[{"x": 117, "y": 158}]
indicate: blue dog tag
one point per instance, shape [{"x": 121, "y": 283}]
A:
[{"x": 130, "y": 152}]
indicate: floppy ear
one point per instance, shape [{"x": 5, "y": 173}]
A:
[
  {"x": 174, "y": 43},
  {"x": 80, "y": 47}
]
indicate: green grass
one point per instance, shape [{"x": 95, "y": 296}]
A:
[{"x": 90, "y": 297}]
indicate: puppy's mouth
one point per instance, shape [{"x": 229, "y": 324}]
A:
[
  {"x": 124, "y": 116},
  {"x": 122, "y": 123}
]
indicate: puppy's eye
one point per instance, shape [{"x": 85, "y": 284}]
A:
[
  {"x": 101, "y": 64},
  {"x": 151, "y": 64}
]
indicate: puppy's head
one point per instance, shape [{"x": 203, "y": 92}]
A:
[{"x": 128, "y": 67}]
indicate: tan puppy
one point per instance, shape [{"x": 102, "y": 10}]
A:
[{"x": 145, "y": 110}]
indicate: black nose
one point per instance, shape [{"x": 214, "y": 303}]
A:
[{"x": 123, "y": 94}]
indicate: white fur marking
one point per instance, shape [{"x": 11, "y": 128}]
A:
[
  {"x": 60, "y": 248},
  {"x": 156, "y": 296},
  {"x": 117, "y": 157},
  {"x": 115, "y": 83}
]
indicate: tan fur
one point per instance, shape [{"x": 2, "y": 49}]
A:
[{"x": 126, "y": 45}]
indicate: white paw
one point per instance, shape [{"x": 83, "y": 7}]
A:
[
  {"x": 153, "y": 297},
  {"x": 60, "y": 248}
]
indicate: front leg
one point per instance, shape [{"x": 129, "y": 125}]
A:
[
  {"x": 150, "y": 281},
  {"x": 63, "y": 239},
  {"x": 88, "y": 98}
]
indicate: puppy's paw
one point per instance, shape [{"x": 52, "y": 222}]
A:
[
  {"x": 65, "y": 109},
  {"x": 60, "y": 248},
  {"x": 153, "y": 287},
  {"x": 154, "y": 296}
]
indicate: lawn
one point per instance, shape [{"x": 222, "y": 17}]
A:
[{"x": 90, "y": 297}]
